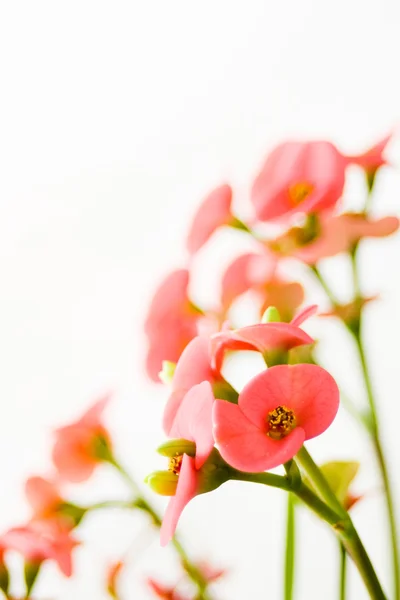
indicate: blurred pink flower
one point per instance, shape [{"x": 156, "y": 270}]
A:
[
  {"x": 81, "y": 446},
  {"x": 277, "y": 411},
  {"x": 44, "y": 497},
  {"x": 373, "y": 158},
  {"x": 42, "y": 540},
  {"x": 113, "y": 574},
  {"x": 298, "y": 177},
  {"x": 164, "y": 591},
  {"x": 214, "y": 212},
  {"x": 171, "y": 322},
  {"x": 334, "y": 235}
]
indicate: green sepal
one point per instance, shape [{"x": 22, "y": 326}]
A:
[{"x": 177, "y": 447}]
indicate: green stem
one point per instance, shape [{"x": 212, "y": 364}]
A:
[
  {"x": 343, "y": 572},
  {"x": 290, "y": 549},
  {"x": 324, "y": 285},
  {"x": 318, "y": 480},
  {"x": 142, "y": 504}
]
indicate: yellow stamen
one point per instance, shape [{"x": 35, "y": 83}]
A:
[
  {"x": 175, "y": 463},
  {"x": 281, "y": 422},
  {"x": 299, "y": 191}
]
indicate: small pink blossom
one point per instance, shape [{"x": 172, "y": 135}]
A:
[
  {"x": 42, "y": 540},
  {"x": 81, "y": 446},
  {"x": 44, "y": 497},
  {"x": 163, "y": 591},
  {"x": 171, "y": 322},
  {"x": 299, "y": 177},
  {"x": 374, "y": 157},
  {"x": 214, "y": 212},
  {"x": 336, "y": 234},
  {"x": 277, "y": 411}
]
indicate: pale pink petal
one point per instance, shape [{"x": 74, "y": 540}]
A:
[
  {"x": 360, "y": 226},
  {"x": 42, "y": 494},
  {"x": 185, "y": 491},
  {"x": 373, "y": 158},
  {"x": 304, "y": 314},
  {"x": 270, "y": 336},
  {"x": 246, "y": 447},
  {"x": 169, "y": 297},
  {"x": 171, "y": 409},
  {"x": 214, "y": 212},
  {"x": 94, "y": 414},
  {"x": 245, "y": 272},
  {"x": 193, "y": 420}
]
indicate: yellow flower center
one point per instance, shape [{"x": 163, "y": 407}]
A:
[
  {"x": 175, "y": 463},
  {"x": 281, "y": 422},
  {"x": 299, "y": 191}
]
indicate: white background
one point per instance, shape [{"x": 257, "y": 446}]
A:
[{"x": 115, "y": 119}]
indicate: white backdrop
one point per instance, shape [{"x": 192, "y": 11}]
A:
[{"x": 116, "y": 118}]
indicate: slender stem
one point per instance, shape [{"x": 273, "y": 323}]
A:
[
  {"x": 290, "y": 549},
  {"x": 318, "y": 480},
  {"x": 142, "y": 504},
  {"x": 343, "y": 572},
  {"x": 324, "y": 285}
]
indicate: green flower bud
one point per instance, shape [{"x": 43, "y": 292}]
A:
[
  {"x": 177, "y": 448},
  {"x": 163, "y": 482},
  {"x": 271, "y": 315}
]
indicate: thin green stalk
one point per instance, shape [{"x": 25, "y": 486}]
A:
[
  {"x": 318, "y": 480},
  {"x": 142, "y": 504},
  {"x": 343, "y": 572},
  {"x": 290, "y": 549},
  {"x": 324, "y": 285}
]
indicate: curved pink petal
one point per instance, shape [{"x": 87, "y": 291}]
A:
[
  {"x": 360, "y": 226},
  {"x": 214, "y": 211},
  {"x": 286, "y": 296},
  {"x": 185, "y": 491},
  {"x": 43, "y": 495},
  {"x": 304, "y": 314},
  {"x": 94, "y": 414},
  {"x": 168, "y": 297},
  {"x": 193, "y": 420},
  {"x": 317, "y": 164},
  {"x": 245, "y": 446},
  {"x": 373, "y": 158},
  {"x": 193, "y": 367}
]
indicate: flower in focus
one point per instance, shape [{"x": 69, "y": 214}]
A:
[
  {"x": 271, "y": 339},
  {"x": 193, "y": 367},
  {"x": 299, "y": 177},
  {"x": 214, "y": 212},
  {"x": 277, "y": 411},
  {"x": 171, "y": 322},
  {"x": 81, "y": 446}
]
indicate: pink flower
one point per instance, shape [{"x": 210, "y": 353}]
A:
[
  {"x": 171, "y": 322},
  {"x": 263, "y": 337},
  {"x": 214, "y": 212},
  {"x": 81, "y": 446},
  {"x": 193, "y": 367},
  {"x": 334, "y": 235},
  {"x": 42, "y": 540},
  {"x": 44, "y": 496},
  {"x": 373, "y": 158},
  {"x": 298, "y": 177},
  {"x": 164, "y": 591},
  {"x": 278, "y": 410},
  {"x": 192, "y": 422}
]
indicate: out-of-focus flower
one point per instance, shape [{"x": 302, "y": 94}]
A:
[
  {"x": 163, "y": 591},
  {"x": 81, "y": 446},
  {"x": 271, "y": 339},
  {"x": 277, "y": 411},
  {"x": 332, "y": 235},
  {"x": 299, "y": 177},
  {"x": 113, "y": 574},
  {"x": 248, "y": 271},
  {"x": 171, "y": 322},
  {"x": 340, "y": 475},
  {"x": 193, "y": 367},
  {"x": 44, "y": 497},
  {"x": 214, "y": 212},
  {"x": 42, "y": 540},
  {"x": 373, "y": 158}
]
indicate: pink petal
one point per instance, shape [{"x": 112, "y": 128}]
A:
[
  {"x": 193, "y": 421},
  {"x": 42, "y": 494},
  {"x": 314, "y": 398},
  {"x": 245, "y": 272},
  {"x": 304, "y": 314},
  {"x": 185, "y": 491},
  {"x": 169, "y": 297},
  {"x": 245, "y": 446},
  {"x": 373, "y": 158},
  {"x": 270, "y": 336},
  {"x": 214, "y": 212}
]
